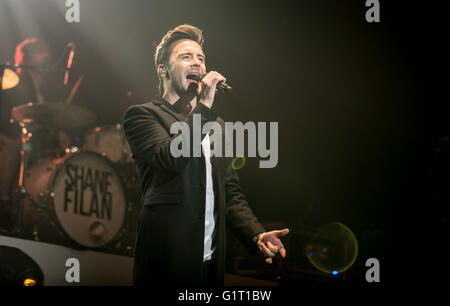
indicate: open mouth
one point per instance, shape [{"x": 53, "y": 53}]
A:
[{"x": 193, "y": 77}]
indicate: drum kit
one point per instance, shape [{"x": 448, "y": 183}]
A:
[{"x": 83, "y": 195}]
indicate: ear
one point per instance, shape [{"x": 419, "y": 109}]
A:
[{"x": 162, "y": 71}]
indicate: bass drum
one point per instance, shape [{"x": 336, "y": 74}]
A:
[
  {"x": 110, "y": 142},
  {"x": 9, "y": 167},
  {"x": 81, "y": 194}
]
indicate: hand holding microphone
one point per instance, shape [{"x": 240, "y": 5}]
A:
[
  {"x": 222, "y": 86},
  {"x": 211, "y": 82}
]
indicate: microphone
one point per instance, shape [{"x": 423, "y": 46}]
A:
[
  {"x": 71, "y": 45},
  {"x": 222, "y": 86}
]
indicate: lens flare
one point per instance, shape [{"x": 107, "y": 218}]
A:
[
  {"x": 333, "y": 249},
  {"x": 238, "y": 162}
]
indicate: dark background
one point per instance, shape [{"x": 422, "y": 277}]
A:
[{"x": 357, "y": 103}]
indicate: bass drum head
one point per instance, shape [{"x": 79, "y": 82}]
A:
[{"x": 88, "y": 199}]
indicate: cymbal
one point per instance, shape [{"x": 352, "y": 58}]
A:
[
  {"x": 10, "y": 79},
  {"x": 58, "y": 115}
]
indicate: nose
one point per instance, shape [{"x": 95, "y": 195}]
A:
[{"x": 195, "y": 62}]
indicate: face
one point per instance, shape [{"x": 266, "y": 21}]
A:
[
  {"x": 187, "y": 61},
  {"x": 39, "y": 56}
]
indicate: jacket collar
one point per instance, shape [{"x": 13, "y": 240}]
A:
[{"x": 167, "y": 107}]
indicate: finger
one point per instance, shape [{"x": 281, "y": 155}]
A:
[
  {"x": 213, "y": 77},
  {"x": 282, "y": 232},
  {"x": 260, "y": 238},
  {"x": 265, "y": 250},
  {"x": 272, "y": 248},
  {"x": 206, "y": 83},
  {"x": 269, "y": 260},
  {"x": 217, "y": 77},
  {"x": 283, "y": 252},
  {"x": 199, "y": 88},
  {"x": 209, "y": 86},
  {"x": 214, "y": 84}
]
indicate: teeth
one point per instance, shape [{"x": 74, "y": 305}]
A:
[{"x": 193, "y": 76}]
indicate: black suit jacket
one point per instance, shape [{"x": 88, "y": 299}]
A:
[{"x": 170, "y": 238}]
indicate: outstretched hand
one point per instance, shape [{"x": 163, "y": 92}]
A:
[{"x": 269, "y": 244}]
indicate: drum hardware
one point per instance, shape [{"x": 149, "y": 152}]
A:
[
  {"x": 110, "y": 142},
  {"x": 19, "y": 198},
  {"x": 43, "y": 214},
  {"x": 57, "y": 115},
  {"x": 82, "y": 197},
  {"x": 44, "y": 200},
  {"x": 8, "y": 79},
  {"x": 41, "y": 211},
  {"x": 72, "y": 149},
  {"x": 30, "y": 193},
  {"x": 53, "y": 114},
  {"x": 22, "y": 193},
  {"x": 97, "y": 230}
]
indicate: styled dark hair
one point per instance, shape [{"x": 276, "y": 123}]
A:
[{"x": 164, "y": 49}]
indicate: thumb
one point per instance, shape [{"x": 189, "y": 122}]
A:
[{"x": 282, "y": 232}]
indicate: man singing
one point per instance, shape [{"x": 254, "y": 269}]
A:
[{"x": 187, "y": 201}]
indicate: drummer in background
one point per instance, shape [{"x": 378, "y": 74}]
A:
[
  {"x": 42, "y": 82},
  {"x": 40, "y": 85}
]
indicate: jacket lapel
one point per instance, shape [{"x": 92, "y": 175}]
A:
[
  {"x": 169, "y": 110},
  {"x": 177, "y": 116}
]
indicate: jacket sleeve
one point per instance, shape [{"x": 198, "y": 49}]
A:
[
  {"x": 150, "y": 142},
  {"x": 240, "y": 216}
]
